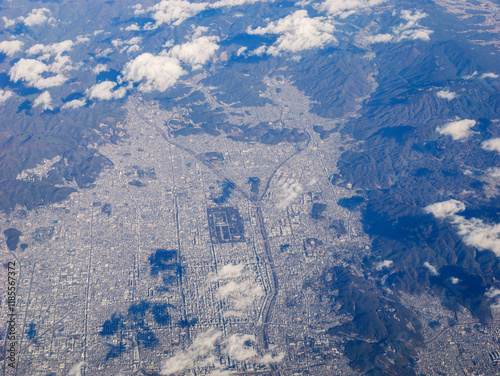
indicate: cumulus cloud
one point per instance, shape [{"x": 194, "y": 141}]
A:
[
  {"x": 431, "y": 268},
  {"x": 5, "y": 94},
  {"x": 8, "y": 22},
  {"x": 412, "y": 28},
  {"x": 454, "y": 280},
  {"x": 34, "y": 73},
  {"x": 174, "y": 12},
  {"x": 44, "y": 100},
  {"x": 76, "y": 370},
  {"x": 445, "y": 209},
  {"x": 457, "y": 129},
  {"x": 239, "y": 295},
  {"x": 494, "y": 294},
  {"x": 409, "y": 30},
  {"x": 55, "y": 49},
  {"x": 269, "y": 358},
  {"x": 492, "y": 145},
  {"x": 494, "y": 172},
  {"x": 133, "y": 27},
  {"x": 104, "y": 91},
  {"x": 129, "y": 46},
  {"x": 445, "y": 94},
  {"x": 153, "y": 72},
  {"x": 235, "y": 288},
  {"x": 240, "y": 347},
  {"x": 37, "y": 17},
  {"x": 489, "y": 75},
  {"x": 100, "y": 68},
  {"x": 10, "y": 47},
  {"x": 475, "y": 232},
  {"x": 196, "y": 52},
  {"x": 297, "y": 32},
  {"x": 345, "y": 8},
  {"x": 290, "y": 190},
  {"x": 228, "y": 271},
  {"x": 384, "y": 264},
  {"x": 75, "y": 103},
  {"x": 379, "y": 38},
  {"x": 200, "y": 352}
]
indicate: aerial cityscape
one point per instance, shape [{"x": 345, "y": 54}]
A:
[{"x": 250, "y": 187}]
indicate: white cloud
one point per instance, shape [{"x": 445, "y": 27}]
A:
[
  {"x": 489, "y": 75},
  {"x": 228, "y": 271},
  {"x": 431, "y": 268},
  {"x": 379, "y": 38},
  {"x": 133, "y": 27},
  {"x": 129, "y": 46},
  {"x": 104, "y": 91},
  {"x": 100, "y": 68},
  {"x": 37, "y": 17},
  {"x": 494, "y": 172},
  {"x": 474, "y": 231},
  {"x": 174, "y": 12},
  {"x": 50, "y": 50},
  {"x": 492, "y": 145},
  {"x": 457, "y": 129},
  {"x": 298, "y": 32},
  {"x": 241, "y": 50},
  {"x": 233, "y": 3},
  {"x": 235, "y": 347},
  {"x": 410, "y": 30},
  {"x": 31, "y": 71},
  {"x": 10, "y": 47},
  {"x": 479, "y": 234},
  {"x": 269, "y": 358},
  {"x": 195, "y": 52},
  {"x": 290, "y": 190},
  {"x": 235, "y": 288},
  {"x": 239, "y": 295},
  {"x": 76, "y": 370},
  {"x": 8, "y": 22},
  {"x": 384, "y": 264},
  {"x": 494, "y": 294},
  {"x": 445, "y": 94},
  {"x": 154, "y": 72},
  {"x": 345, "y": 8},
  {"x": 75, "y": 103},
  {"x": 454, "y": 280},
  {"x": 5, "y": 94},
  {"x": 138, "y": 10},
  {"x": 44, "y": 100},
  {"x": 200, "y": 352},
  {"x": 104, "y": 52},
  {"x": 445, "y": 209},
  {"x": 82, "y": 39}
]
